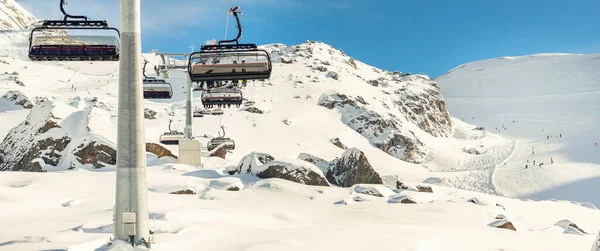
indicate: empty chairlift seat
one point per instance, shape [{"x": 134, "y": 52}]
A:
[
  {"x": 231, "y": 65},
  {"x": 157, "y": 89},
  {"x": 171, "y": 138},
  {"x": 222, "y": 97},
  {"x": 216, "y": 142},
  {"x": 54, "y": 43}
]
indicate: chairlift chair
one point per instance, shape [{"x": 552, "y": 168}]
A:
[
  {"x": 216, "y": 142},
  {"x": 52, "y": 42},
  {"x": 156, "y": 88},
  {"x": 226, "y": 61},
  {"x": 198, "y": 113},
  {"x": 222, "y": 97},
  {"x": 171, "y": 137}
]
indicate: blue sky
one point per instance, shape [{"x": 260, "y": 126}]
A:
[{"x": 430, "y": 36}]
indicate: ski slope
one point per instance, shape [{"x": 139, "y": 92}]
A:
[{"x": 546, "y": 95}]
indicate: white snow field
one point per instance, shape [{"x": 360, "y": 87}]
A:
[
  {"x": 71, "y": 209},
  {"x": 546, "y": 95}
]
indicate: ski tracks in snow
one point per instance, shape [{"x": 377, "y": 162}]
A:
[{"x": 480, "y": 171}]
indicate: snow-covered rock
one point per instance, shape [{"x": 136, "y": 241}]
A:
[
  {"x": 264, "y": 166},
  {"x": 373, "y": 190},
  {"x": 159, "y": 150},
  {"x": 503, "y": 223},
  {"x": 17, "y": 98},
  {"x": 14, "y": 17},
  {"x": 58, "y": 136},
  {"x": 352, "y": 168},
  {"x": 570, "y": 227}
]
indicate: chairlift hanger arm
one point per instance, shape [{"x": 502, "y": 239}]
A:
[
  {"x": 62, "y": 9},
  {"x": 144, "y": 71},
  {"x": 235, "y": 12}
]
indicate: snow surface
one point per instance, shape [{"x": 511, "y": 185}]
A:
[
  {"x": 72, "y": 210},
  {"x": 549, "y": 95}
]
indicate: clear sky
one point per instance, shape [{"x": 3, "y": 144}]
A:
[{"x": 430, "y": 36}]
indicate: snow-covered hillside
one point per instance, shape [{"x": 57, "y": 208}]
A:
[
  {"x": 333, "y": 148},
  {"x": 550, "y": 104},
  {"x": 13, "y": 16}
]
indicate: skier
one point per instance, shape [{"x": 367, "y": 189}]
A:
[
  {"x": 547, "y": 137},
  {"x": 560, "y": 135},
  {"x": 551, "y": 160},
  {"x": 526, "y": 166},
  {"x": 534, "y": 162}
]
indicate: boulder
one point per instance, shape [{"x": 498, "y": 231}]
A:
[
  {"x": 352, "y": 63},
  {"x": 220, "y": 151},
  {"x": 570, "y": 227},
  {"x": 253, "y": 109},
  {"x": 333, "y": 74},
  {"x": 264, "y": 166},
  {"x": 338, "y": 143},
  {"x": 287, "y": 60},
  {"x": 401, "y": 199},
  {"x": 424, "y": 189},
  {"x": 159, "y": 150},
  {"x": 149, "y": 114},
  {"x": 373, "y": 190},
  {"x": 96, "y": 155},
  {"x": 352, "y": 168},
  {"x": 503, "y": 223}
]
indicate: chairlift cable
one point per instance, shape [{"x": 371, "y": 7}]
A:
[{"x": 98, "y": 10}]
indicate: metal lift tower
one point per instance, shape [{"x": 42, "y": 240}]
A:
[{"x": 131, "y": 203}]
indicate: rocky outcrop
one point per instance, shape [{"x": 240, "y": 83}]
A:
[
  {"x": 97, "y": 155},
  {"x": 352, "y": 168},
  {"x": 373, "y": 190},
  {"x": 159, "y": 150},
  {"x": 264, "y": 166},
  {"x": 34, "y": 143},
  {"x": 60, "y": 136},
  {"x": 17, "y": 98},
  {"x": 384, "y": 132}
]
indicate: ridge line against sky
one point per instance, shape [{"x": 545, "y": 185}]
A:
[{"x": 430, "y": 36}]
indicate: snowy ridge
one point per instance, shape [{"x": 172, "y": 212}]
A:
[{"x": 14, "y": 17}]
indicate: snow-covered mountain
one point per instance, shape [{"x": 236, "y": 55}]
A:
[
  {"x": 332, "y": 148},
  {"x": 550, "y": 104},
  {"x": 14, "y": 17}
]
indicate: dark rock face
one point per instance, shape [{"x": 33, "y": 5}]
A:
[
  {"x": 408, "y": 201},
  {"x": 96, "y": 155},
  {"x": 426, "y": 109},
  {"x": 352, "y": 168},
  {"x": 26, "y": 149},
  {"x": 159, "y": 151},
  {"x": 220, "y": 151},
  {"x": 384, "y": 133}
]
